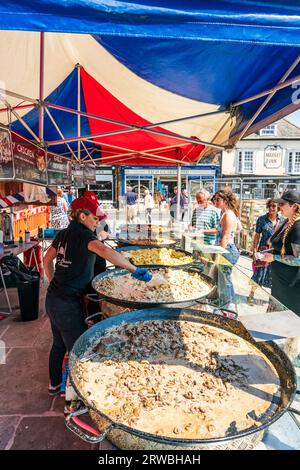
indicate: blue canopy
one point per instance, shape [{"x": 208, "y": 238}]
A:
[{"x": 215, "y": 53}]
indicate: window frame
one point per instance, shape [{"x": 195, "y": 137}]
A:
[
  {"x": 240, "y": 167},
  {"x": 266, "y": 128},
  {"x": 290, "y": 168}
]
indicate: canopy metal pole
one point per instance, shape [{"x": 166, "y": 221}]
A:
[
  {"x": 25, "y": 125},
  {"x": 41, "y": 88},
  {"x": 268, "y": 92},
  {"x": 78, "y": 109},
  {"x": 88, "y": 153},
  {"x": 152, "y": 131},
  {"x": 17, "y": 95},
  {"x": 157, "y": 149},
  {"x": 20, "y": 106},
  {"x": 269, "y": 97},
  {"x": 131, "y": 151},
  {"x": 131, "y": 127},
  {"x": 60, "y": 132},
  {"x": 178, "y": 192}
]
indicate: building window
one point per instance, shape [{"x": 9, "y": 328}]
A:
[
  {"x": 245, "y": 162},
  {"x": 294, "y": 163},
  {"x": 268, "y": 130}
]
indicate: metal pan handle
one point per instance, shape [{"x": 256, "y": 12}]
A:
[
  {"x": 94, "y": 297},
  {"x": 219, "y": 309},
  {"x": 293, "y": 410},
  {"x": 80, "y": 428},
  {"x": 108, "y": 244},
  {"x": 91, "y": 317}
]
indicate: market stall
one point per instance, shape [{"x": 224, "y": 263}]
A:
[{"x": 107, "y": 344}]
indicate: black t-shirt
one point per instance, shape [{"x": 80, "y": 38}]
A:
[
  {"x": 74, "y": 263},
  {"x": 286, "y": 273}
]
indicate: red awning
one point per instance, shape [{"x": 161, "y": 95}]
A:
[{"x": 136, "y": 147}]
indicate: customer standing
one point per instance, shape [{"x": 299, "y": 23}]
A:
[
  {"x": 285, "y": 261},
  {"x": 173, "y": 205},
  {"x": 131, "y": 209},
  {"x": 266, "y": 225},
  {"x": 59, "y": 213},
  {"x": 148, "y": 205},
  {"x": 205, "y": 217},
  {"x": 229, "y": 205}
]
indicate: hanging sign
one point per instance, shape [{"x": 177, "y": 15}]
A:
[
  {"x": 89, "y": 174},
  {"x": 6, "y": 156},
  {"x": 29, "y": 161},
  {"x": 78, "y": 175},
  {"x": 59, "y": 170},
  {"x": 273, "y": 156}
]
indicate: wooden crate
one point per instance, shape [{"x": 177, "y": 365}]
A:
[{"x": 251, "y": 210}]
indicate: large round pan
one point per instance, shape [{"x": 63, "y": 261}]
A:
[
  {"x": 136, "y": 241},
  {"x": 145, "y": 228},
  {"x": 135, "y": 439},
  {"x": 136, "y": 248},
  {"x": 148, "y": 304}
]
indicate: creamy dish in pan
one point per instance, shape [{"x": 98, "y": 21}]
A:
[
  {"x": 159, "y": 256},
  {"x": 178, "y": 379},
  {"x": 172, "y": 285}
]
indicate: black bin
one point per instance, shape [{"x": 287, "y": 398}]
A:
[{"x": 29, "y": 296}]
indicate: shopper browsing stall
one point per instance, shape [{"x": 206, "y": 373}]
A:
[
  {"x": 266, "y": 225},
  {"x": 229, "y": 205},
  {"x": 75, "y": 250},
  {"x": 285, "y": 267}
]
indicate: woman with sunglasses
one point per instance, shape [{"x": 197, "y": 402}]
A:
[
  {"x": 226, "y": 230},
  {"x": 266, "y": 225},
  {"x": 285, "y": 260}
]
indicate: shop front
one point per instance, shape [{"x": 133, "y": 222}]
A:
[
  {"x": 104, "y": 187},
  {"x": 259, "y": 188},
  {"x": 161, "y": 181}
]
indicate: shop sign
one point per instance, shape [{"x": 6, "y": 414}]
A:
[
  {"x": 103, "y": 172},
  {"x": 59, "y": 170},
  {"x": 89, "y": 174},
  {"x": 167, "y": 172},
  {"x": 273, "y": 156},
  {"x": 6, "y": 157},
  {"x": 78, "y": 175},
  {"x": 29, "y": 161}
]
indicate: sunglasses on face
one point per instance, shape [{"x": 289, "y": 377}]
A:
[
  {"x": 217, "y": 199},
  {"x": 273, "y": 205}
]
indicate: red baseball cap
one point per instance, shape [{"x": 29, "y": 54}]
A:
[{"x": 89, "y": 201}]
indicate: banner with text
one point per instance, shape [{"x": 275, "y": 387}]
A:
[
  {"x": 29, "y": 161},
  {"x": 59, "y": 170},
  {"x": 6, "y": 155}
]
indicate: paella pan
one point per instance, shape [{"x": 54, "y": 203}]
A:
[
  {"x": 225, "y": 388},
  {"x": 181, "y": 286}
]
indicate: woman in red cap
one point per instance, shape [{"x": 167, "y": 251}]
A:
[{"x": 75, "y": 249}]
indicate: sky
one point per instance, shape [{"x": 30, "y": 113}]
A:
[{"x": 294, "y": 117}]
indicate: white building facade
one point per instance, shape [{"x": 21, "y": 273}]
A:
[{"x": 264, "y": 164}]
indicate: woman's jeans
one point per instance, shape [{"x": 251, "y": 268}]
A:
[
  {"x": 67, "y": 324},
  {"x": 226, "y": 290}
]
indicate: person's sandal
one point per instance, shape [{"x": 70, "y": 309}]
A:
[{"x": 52, "y": 391}]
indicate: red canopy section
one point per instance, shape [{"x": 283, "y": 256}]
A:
[{"x": 122, "y": 144}]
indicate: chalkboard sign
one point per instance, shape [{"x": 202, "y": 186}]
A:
[
  {"x": 29, "y": 161},
  {"x": 6, "y": 156},
  {"x": 89, "y": 174},
  {"x": 59, "y": 170}
]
